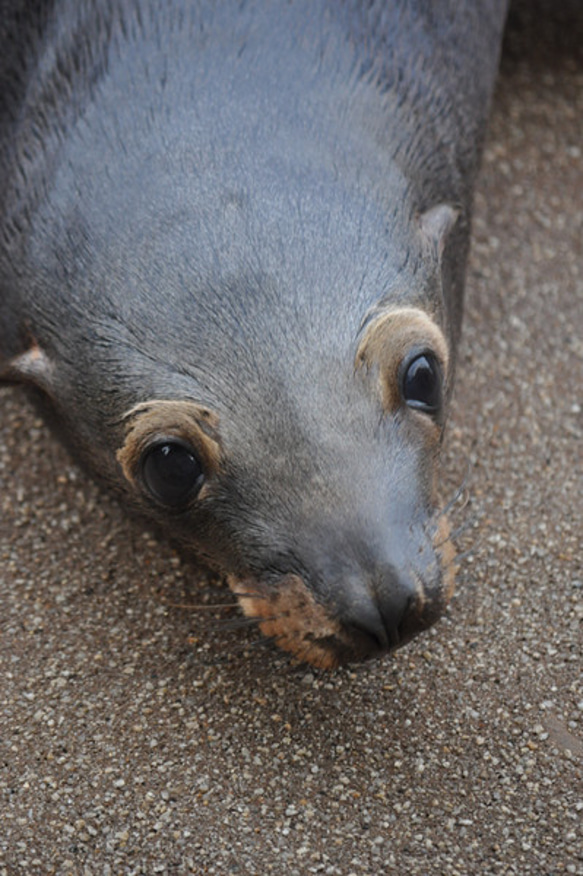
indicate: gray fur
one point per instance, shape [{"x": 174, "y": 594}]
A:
[{"x": 206, "y": 201}]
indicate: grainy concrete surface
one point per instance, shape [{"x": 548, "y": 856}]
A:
[{"x": 138, "y": 736}]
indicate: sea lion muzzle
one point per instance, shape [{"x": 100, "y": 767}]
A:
[{"x": 365, "y": 615}]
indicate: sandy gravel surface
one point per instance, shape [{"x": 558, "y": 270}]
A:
[{"x": 140, "y": 734}]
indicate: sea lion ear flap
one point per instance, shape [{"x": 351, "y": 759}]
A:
[
  {"x": 32, "y": 366},
  {"x": 436, "y": 223}
]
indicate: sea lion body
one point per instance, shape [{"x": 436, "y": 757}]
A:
[{"x": 232, "y": 247}]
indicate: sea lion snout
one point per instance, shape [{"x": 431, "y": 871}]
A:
[
  {"x": 350, "y": 608},
  {"x": 356, "y": 624}
]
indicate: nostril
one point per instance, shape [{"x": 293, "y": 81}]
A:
[
  {"x": 367, "y": 628},
  {"x": 377, "y": 625},
  {"x": 395, "y": 610}
]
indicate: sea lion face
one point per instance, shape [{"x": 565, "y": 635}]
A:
[
  {"x": 318, "y": 501},
  {"x": 326, "y": 523},
  {"x": 261, "y": 366}
]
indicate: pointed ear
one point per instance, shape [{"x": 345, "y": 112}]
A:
[
  {"x": 32, "y": 366},
  {"x": 436, "y": 223}
]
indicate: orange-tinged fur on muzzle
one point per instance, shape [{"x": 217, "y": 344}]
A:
[{"x": 289, "y": 614}]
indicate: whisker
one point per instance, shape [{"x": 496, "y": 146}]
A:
[
  {"x": 208, "y": 606},
  {"x": 266, "y": 642},
  {"x": 305, "y": 658},
  {"x": 459, "y": 492},
  {"x": 452, "y": 536},
  {"x": 208, "y": 591},
  {"x": 449, "y": 536},
  {"x": 456, "y": 533},
  {"x": 202, "y": 606},
  {"x": 240, "y": 623},
  {"x": 251, "y": 595},
  {"x": 472, "y": 550},
  {"x": 463, "y": 556}
]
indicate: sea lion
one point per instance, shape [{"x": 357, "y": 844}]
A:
[{"x": 232, "y": 249}]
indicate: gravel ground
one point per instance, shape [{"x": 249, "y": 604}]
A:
[{"x": 143, "y": 732}]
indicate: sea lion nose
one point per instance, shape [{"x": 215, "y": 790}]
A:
[
  {"x": 380, "y": 619},
  {"x": 366, "y": 626}
]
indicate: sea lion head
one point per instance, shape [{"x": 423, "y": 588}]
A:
[{"x": 264, "y": 369}]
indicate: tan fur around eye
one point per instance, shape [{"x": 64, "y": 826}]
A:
[
  {"x": 160, "y": 419},
  {"x": 389, "y": 337}
]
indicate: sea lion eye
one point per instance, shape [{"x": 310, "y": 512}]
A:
[
  {"x": 171, "y": 472},
  {"x": 421, "y": 384}
]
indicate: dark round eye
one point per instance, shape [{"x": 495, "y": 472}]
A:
[
  {"x": 172, "y": 473},
  {"x": 422, "y": 384}
]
